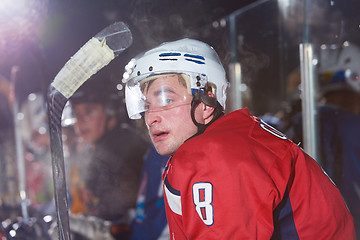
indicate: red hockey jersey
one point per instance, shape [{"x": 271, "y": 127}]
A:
[{"x": 241, "y": 179}]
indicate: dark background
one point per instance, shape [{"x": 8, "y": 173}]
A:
[{"x": 41, "y": 35}]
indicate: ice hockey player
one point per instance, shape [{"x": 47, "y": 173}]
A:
[{"x": 230, "y": 176}]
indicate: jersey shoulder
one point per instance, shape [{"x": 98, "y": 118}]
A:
[{"x": 237, "y": 138}]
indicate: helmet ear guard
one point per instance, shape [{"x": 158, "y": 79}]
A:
[
  {"x": 207, "y": 97},
  {"x": 211, "y": 101}
]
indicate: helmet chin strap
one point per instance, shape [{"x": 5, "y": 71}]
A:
[{"x": 197, "y": 99}]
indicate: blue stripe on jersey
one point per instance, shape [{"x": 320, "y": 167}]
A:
[
  {"x": 284, "y": 225},
  {"x": 173, "y": 197},
  {"x": 170, "y": 188}
]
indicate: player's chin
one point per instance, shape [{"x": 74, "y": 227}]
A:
[{"x": 162, "y": 148}]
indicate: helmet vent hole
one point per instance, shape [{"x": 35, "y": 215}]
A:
[
  {"x": 150, "y": 68},
  {"x": 138, "y": 73}
]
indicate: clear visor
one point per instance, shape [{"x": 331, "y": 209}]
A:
[{"x": 157, "y": 93}]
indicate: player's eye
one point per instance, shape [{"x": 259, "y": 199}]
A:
[
  {"x": 146, "y": 107},
  {"x": 167, "y": 101}
]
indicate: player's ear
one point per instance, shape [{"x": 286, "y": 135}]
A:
[{"x": 208, "y": 110}]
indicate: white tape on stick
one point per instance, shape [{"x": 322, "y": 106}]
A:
[{"x": 90, "y": 58}]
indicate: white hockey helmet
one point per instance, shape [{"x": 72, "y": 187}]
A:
[
  {"x": 196, "y": 61},
  {"x": 339, "y": 68}
]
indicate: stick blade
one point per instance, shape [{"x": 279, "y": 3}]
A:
[
  {"x": 118, "y": 37},
  {"x": 93, "y": 56}
]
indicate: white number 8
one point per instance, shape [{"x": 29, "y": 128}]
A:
[{"x": 203, "y": 197}]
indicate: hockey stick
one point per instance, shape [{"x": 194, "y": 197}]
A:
[{"x": 94, "y": 55}]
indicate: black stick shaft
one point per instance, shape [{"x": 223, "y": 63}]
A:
[
  {"x": 56, "y": 103},
  {"x": 91, "y": 57}
]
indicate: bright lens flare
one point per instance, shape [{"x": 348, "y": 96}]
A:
[{"x": 20, "y": 18}]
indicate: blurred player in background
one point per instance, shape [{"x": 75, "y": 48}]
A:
[
  {"x": 150, "y": 221},
  {"x": 105, "y": 171},
  {"x": 339, "y": 121}
]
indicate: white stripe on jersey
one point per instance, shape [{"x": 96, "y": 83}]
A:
[{"x": 174, "y": 201}]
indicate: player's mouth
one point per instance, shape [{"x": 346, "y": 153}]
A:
[{"x": 158, "y": 135}]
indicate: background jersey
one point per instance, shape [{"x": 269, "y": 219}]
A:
[
  {"x": 150, "y": 220},
  {"x": 340, "y": 155},
  {"x": 339, "y": 152},
  {"x": 241, "y": 179}
]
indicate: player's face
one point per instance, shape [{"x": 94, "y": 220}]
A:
[
  {"x": 168, "y": 115},
  {"x": 90, "y": 121}
]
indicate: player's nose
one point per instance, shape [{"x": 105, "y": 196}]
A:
[{"x": 152, "y": 117}]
